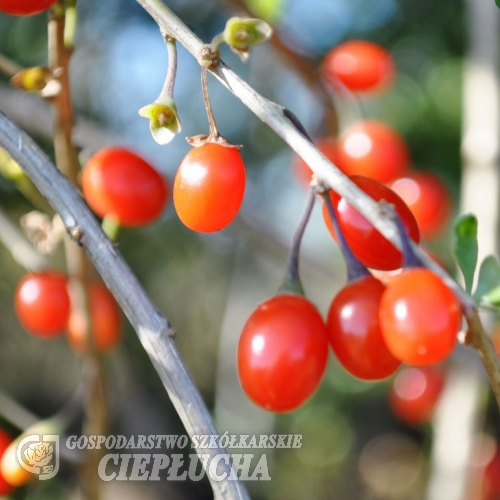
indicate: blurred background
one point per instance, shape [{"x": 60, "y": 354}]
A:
[{"x": 354, "y": 445}]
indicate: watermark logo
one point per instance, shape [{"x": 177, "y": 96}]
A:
[{"x": 39, "y": 454}]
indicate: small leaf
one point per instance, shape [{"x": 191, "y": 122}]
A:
[
  {"x": 489, "y": 277},
  {"x": 465, "y": 247},
  {"x": 498, "y": 3}
]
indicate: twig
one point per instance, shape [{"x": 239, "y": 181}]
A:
[
  {"x": 20, "y": 248},
  {"x": 153, "y": 330},
  {"x": 272, "y": 114}
]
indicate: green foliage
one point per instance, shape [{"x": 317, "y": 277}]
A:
[
  {"x": 465, "y": 247},
  {"x": 489, "y": 279}
]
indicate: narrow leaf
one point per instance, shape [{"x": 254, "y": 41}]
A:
[
  {"x": 465, "y": 247},
  {"x": 489, "y": 277}
]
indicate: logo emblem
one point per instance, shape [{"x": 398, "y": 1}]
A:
[{"x": 39, "y": 454}]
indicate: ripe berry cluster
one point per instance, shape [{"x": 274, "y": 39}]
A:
[
  {"x": 372, "y": 327},
  {"x": 373, "y": 148},
  {"x": 43, "y": 306}
]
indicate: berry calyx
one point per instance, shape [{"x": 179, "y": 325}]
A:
[
  {"x": 359, "y": 65},
  {"x": 419, "y": 317},
  {"x": 117, "y": 182},
  {"x": 209, "y": 187},
  {"x": 374, "y": 149},
  {"x": 366, "y": 242},
  {"x": 282, "y": 353},
  {"x": 42, "y": 303}
]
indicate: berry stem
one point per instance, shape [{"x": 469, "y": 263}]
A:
[
  {"x": 355, "y": 270},
  {"x": 212, "y": 126},
  {"x": 410, "y": 259},
  {"x": 168, "y": 86},
  {"x": 291, "y": 282}
]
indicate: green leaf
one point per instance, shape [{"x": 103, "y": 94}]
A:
[
  {"x": 489, "y": 277},
  {"x": 465, "y": 247},
  {"x": 498, "y": 3},
  {"x": 493, "y": 297},
  {"x": 270, "y": 10}
]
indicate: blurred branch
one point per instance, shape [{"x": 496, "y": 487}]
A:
[
  {"x": 18, "y": 245},
  {"x": 7, "y": 67},
  {"x": 153, "y": 330}
]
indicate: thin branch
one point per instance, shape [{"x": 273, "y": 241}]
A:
[
  {"x": 18, "y": 245},
  {"x": 153, "y": 330},
  {"x": 272, "y": 114}
]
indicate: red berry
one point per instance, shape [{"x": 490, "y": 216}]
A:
[
  {"x": 374, "y": 149},
  {"x": 491, "y": 480},
  {"x": 5, "y": 487},
  {"x": 420, "y": 317},
  {"x": 42, "y": 303},
  {"x": 415, "y": 392},
  {"x": 105, "y": 321},
  {"x": 328, "y": 147},
  {"x": 359, "y": 65},
  {"x": 428, "y": 199},
  {"x": 367, "y": 244},
  {"x": 117, "y": 182},
  {"x": 354, "y": 331},
  {"x": 25, "y": 7},
  {"x": 282, "y": 353},
  {"x": 209, "y": 187}
]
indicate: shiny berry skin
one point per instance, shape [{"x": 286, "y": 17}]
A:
[
  {"x": 419, "y": 317},
  {"x": 282, "y": 353},
  {"x": 428, "y": 198},
  {"x": 327, "y": 146},
  {"x": 118, "y": 182},
  {"x": 354, "y": 331},
  {"x": 209, "y": 187},
  {"x": 367, "y": 244},
  {"x": 359, "y": 65},
  {"x": 415, "y": 392},
  {"x": 25, "y": 7},
  {"x": 42, "y": 303},
  {"x": 5, "y": 440},
  {"x": 374, "y": 149},
  {"x": 105, "y": 321}
]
